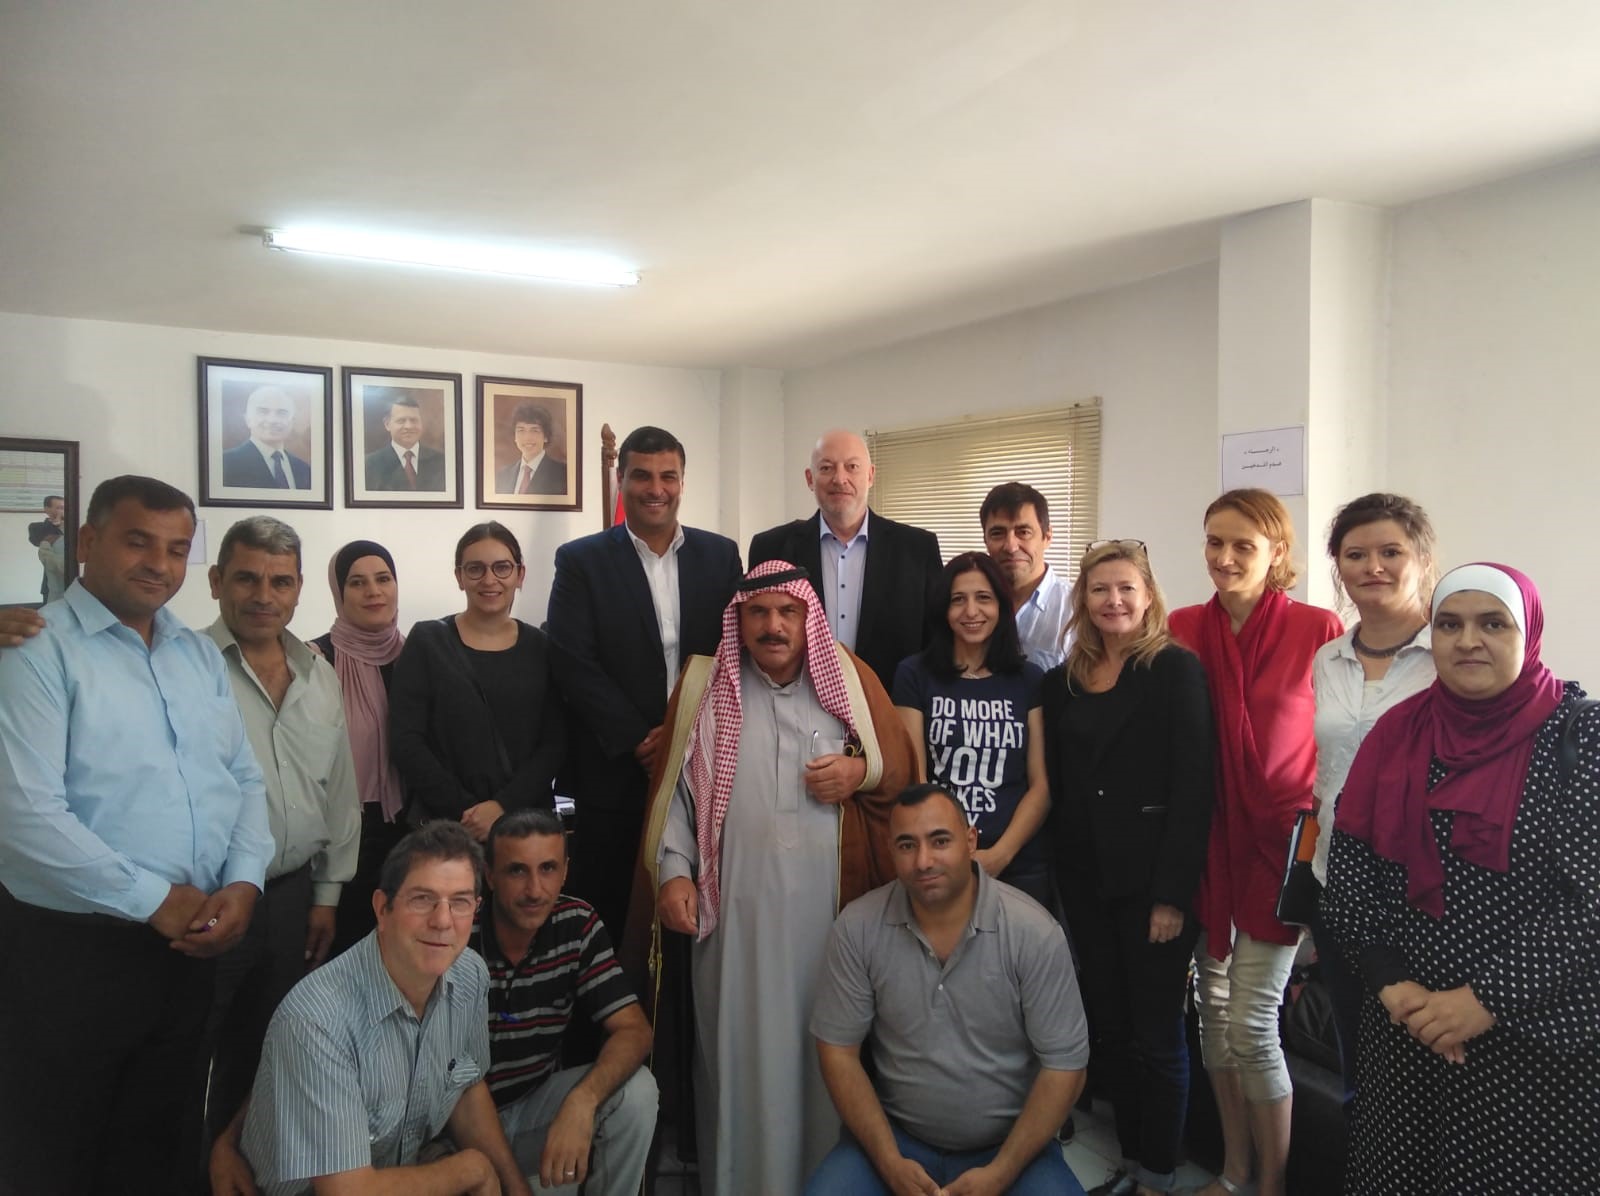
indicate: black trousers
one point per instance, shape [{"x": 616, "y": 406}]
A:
[
  {"x": 355, "y": 918},
  {"x": 1134, "y": 992},
  {"x": 605, "y": 848},
  {"x": 100, "y": 1029}
]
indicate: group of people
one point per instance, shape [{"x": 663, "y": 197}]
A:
[{"x": 854, "y": 829}]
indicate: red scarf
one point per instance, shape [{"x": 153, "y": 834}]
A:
[{"x": 1486, "y": 745}]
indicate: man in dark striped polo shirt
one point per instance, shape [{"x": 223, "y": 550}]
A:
[{"x": 549, "y": 956}]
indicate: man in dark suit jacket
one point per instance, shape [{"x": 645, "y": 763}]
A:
[
  {"x": 531, "y": 428},
  {"x": 386, "y": 468},
  {"x": 606, "y": 619},
  {"x": 894, "y": 567},
  {"x": 263, "y": 460}
]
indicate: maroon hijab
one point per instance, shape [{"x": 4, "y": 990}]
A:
[{"x": 1486, "y": 745}]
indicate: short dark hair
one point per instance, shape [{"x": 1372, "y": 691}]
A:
[
  {"x": 149, "y": 493},
  {"x": 437, "y": 840},
  {"x": 532, "y": 413},
  {"x": 915, "y": 795},
  {"x": 492, "y": 530},
  {"x": 1004, "y": 653},
  {"x": 50, "y": 498},
  {"x": 647, "y": 439},
  {"x": 405, "y": 400},
  {"x": 524, "y": 824},
  {"x": 272, "y": 536},
  {"x": 1010, "y": 497}
]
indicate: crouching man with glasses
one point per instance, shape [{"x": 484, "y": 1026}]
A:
[{"x": 375, "y": 1055}]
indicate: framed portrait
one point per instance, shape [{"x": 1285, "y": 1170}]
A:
[
  {"x": 529, "y": 444},
  {"x": 39, "y": 518},
  {"x": 402, "y": 438},
  {"x": 266, "y": 434}
]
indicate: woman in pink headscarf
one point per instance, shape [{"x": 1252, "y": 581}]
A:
[
  {"x": 1464, "y": 877},
  {"x": 362, "y": 646}
]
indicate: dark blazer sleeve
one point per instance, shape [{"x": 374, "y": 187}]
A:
[
  {"x": 578, "y": 605},
  {"x": 380, "y": 473},
  {"x": 707, "y": 579},
  {"x": 533, "y": 783},
  {"x": 1191, "y": 739},
  {"x": 420, "y": 681},
  {"x": 930, "y": 565}
]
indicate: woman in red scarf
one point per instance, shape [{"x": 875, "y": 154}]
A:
[
  {"x": 1257, "y": 645},
  {"x": 1465, "y": 879}
]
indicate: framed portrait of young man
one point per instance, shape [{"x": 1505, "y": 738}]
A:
[
  {"x": 266, "y": 434},
  {"x": 402, "y": 438},
  {"x": 530, "y": 437}
]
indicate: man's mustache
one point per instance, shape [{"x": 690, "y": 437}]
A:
[{"x": 781, "y": 641}]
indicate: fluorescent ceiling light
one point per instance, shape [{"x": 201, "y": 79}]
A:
[{"x": 557, "y": 266}]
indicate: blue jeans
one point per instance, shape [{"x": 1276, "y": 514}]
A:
[{"x": 848, "y": 1172}]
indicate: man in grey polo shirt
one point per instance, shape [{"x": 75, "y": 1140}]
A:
[
  {"x": 965, "y": 987},
  {"x": 375, "y": 1055}
]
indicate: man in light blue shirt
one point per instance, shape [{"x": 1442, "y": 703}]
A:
[
  {"x": 135, "y": 846},
  {"x": 1016, "y": 530}
]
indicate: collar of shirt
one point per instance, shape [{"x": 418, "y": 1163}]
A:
[
  {"x": 415, "y": 451},
  {"x": 1042, "y": 594},
  {"x": 266, "y": 452},
  {"x": 94, "y": 618},
  {"x": 985, "y": 909},
  {"x": 646, "y": 553},
  {"x": 826, "y": 533},
  {"x": 301, "y": 661},
  {"x": 487, "y": 944},
  {"x": 1345, "y": 645},
  {"x": 532, "y": 466},
  {"x": 379, "y": 992}
]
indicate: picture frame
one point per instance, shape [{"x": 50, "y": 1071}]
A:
[
  {"x": 523, "y": 465},
  {"x": 39, "y": 519},
  {"x": 389, "y": 415},
  {"x": 266, "y": 434}
]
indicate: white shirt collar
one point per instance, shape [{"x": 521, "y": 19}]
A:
[
  {"x": 824, "y": 531},
  {"x": 642, "y": 548}
]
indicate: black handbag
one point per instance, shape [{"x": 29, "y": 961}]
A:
[{"x": 1300, "y": 895}]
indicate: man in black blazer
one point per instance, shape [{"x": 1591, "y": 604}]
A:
[
  {"x": 613, "y": 596},
  {"x": 534, "y": 471},
  {"x": 386, "y": 468},
  {"x": 264, "y": 460},
  {"x": 876, "y": 576}
]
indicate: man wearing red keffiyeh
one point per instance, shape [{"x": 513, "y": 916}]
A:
[{"x": 768, "y": 813}]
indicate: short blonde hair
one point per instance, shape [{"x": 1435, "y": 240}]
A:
[
  {"x": 1088, "y": 645},
  {"x": 1266, "y": 510}
]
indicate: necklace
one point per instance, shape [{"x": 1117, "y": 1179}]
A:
[{"x": 1380, "y": 653}]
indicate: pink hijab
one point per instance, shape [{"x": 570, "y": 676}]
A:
[
  {"x": 357, "y": 657},
  {"x": 1487, "y": 746}
]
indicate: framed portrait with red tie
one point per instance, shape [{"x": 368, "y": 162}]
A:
[
  {"x": 529, "y": 444},
  {"x": 402, "y": 438},
  {"x": 266, "y": 434}
]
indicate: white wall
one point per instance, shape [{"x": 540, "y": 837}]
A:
[
  {"x": 1494, "y": 361},
  {"x": 1149, "y": 350},
  {"x": 126, "y": 392}
]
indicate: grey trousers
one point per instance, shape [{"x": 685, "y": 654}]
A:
[{"x": 623, "y": 1127}]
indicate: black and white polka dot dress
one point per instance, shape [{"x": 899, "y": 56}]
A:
[{"x": 1522, "y": 1115}]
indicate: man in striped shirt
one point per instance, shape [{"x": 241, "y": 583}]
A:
[{"x": 549, "y": 956}]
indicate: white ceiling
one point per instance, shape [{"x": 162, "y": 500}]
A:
[{"x": 794, "y": 181}]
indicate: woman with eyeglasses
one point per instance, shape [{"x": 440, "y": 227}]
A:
[
  {"x": 972, "y": 701},
  {"x": 1382, "y": 551},
  {"x": 1257, "y": 645},
  {"x": 475, "y": 724},
  {"x": 1128, "y": 748}
]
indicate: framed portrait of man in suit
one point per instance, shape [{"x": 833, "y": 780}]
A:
[
  {"x": 266, "y": 434},
  {"x": 530, "y": 438},
  {"x": 402, "y": 438}
]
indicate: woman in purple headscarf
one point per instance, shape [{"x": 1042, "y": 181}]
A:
[
  {"x": 1464, "y": 878},
  {"x": 362, "y": 646}
]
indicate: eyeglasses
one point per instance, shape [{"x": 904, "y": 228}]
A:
[
  {"x": 1125, "y": 545},
  {"x": 423, "y": 904},
  {"x": 474, "y": 570}
]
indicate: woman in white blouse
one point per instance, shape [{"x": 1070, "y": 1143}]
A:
[{"x": 1382, "y": 550}]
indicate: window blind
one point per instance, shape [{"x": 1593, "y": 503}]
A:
[{"x": 936, "y": 476}]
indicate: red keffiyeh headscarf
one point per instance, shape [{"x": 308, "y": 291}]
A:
[
  {"x": 1486, "y": 745},
  {"x": 712, "y": 756}
]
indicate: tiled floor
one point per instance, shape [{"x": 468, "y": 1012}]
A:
[{"x": 1092, "y": 1154}]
